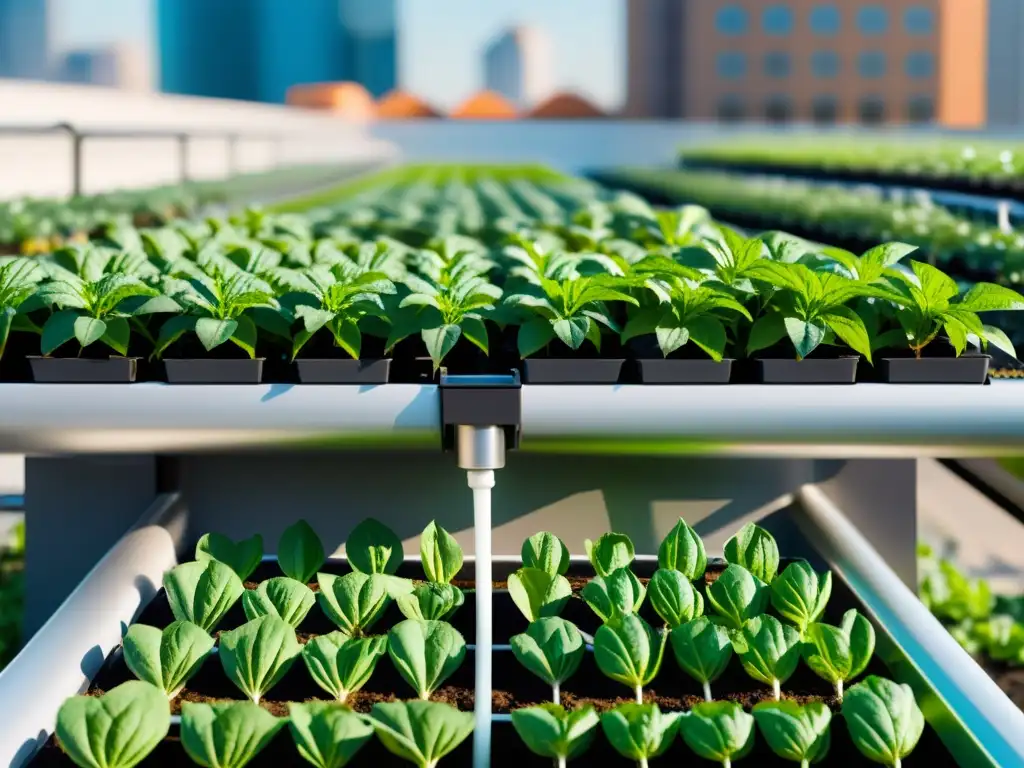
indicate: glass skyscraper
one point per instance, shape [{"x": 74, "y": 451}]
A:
[{"x": 24, "y": 39}]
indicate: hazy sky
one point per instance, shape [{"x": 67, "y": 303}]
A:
[{"x": 441, "y": 41}]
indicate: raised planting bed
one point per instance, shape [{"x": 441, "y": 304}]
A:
[{"x": 284, "y": 637}]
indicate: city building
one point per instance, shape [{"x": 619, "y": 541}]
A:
[
  {"x": 255, "y": 50},
  {"x": 1005, "y": 63},
  {"x": 25, "y": 39},
  {"x": 518, "y": 64},
  {"x": 119, "y": 66},
  {"x": 846, "y": 61}
]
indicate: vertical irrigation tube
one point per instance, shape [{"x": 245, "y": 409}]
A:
[{"x": 482, "y": 481}]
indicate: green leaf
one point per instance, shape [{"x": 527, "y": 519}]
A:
[
  {"x": 202, "y": 592},
  {"x": 861, "y": 635},
  {"x": 767, "y": 331},
  {"x": 708, "y": 334},
  {"x": 327, "y": 734},
  {"x": 794, "y": 732},
  {"x": 552, "y": 648},
  {"x": 737, "y": 595},
  {"x": 431, "y": 601},
  {"x": 610, "y": 552},
  {"x": 213, "y": 332},
  {"x": 683, "y": 550},
  {"x": 702, "y": 650},
  {"x": 421, "y": 732},
  {"x": 534, "y": 335},
  {"x": 299, "y": 552},
  {"x": 629, "y": 651},
  {"x": 994, "y": 336},
  {"x": 768, "y": 649},
  {"x": 718, "y": 730},
  {"x": 848, "y": 326},
  {"x": 550, "y": 731},
  {"x": 538, "y": 593},
  {"x": 989, "y": 297},
  {"x": 166, "y": 658},
  {"x": 798, "y": 596},
  {"x": 674, "y": 598},
  {"x": 116, "y": 730},
  {"x": 572, "y": 331},
  {"x": 89, "y": 330},
  {"x": 244, "y": 336},
  {"x": 258, "y": 654},
  {"x": 640, "y": 731},
  {"x": 353, "y": 601},
  {"x": 547, "y": 552},
  {"x": 227, "y": 734},
  {"x": 440, "y": 554},
  {"x": 171, "y": 331},
  {"x": 118, "y": 335},
  {"x": 827, "y": 652},
  {"x": 613, "y": 596},
  {"x": 242, "y": 556},
  {"x": 475, "y": 331},
  {"x": 280, "y": 596},
  {"x": 883, "y": 719},
  {"x": 372, "y": 547},
  {"x": 440, "y": 341},
  {"x": 425, "y": 653},
  {"x": 756, "y": 550},
  {"x": 58, "y": 329},
  {"x": 937, "y": 286},
  {"x": 806, "y": 336},
  {"x": 342, "y": 664}
]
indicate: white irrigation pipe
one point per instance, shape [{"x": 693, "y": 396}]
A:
[{"x": 482, "y": 481}]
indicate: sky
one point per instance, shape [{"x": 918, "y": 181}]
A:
[{"x": 441, "y": 41}]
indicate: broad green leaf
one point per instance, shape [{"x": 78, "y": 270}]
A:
[
  {"x": 938, "y": 287},
  {"x": 242, "y": 556},
  {"x": 767, "y": 331},
  {"x": 89, "y": 330},
  {"x": 354, "y": 601},
  {"x": 228, "y": 734},
  {"x": 795, "y": 732},
  {"x": 718, "y": 730},
  {"x": 552, "y": 648},
  {"x": 534, "y": 335},
  {"x": 629, "y": 652},
  {"x": 116, "y": 730},
  {"x": 640, "y": 732},
  {"x": 421, "y": 732},
  {"x": 827, "y": 652},
  {"x": 572, "y": 331},
  {"x": 610, "y": 552},
  {"x": 372, "y": 547},
  {"x": 538, "y": 593},
  {"x": 341, "y": 664},
  {"x": 58, "y": 330},
  {"x": 440, "y": 341},
  {"x": 883, "y": 719},
  {"x": 299, "y": 552},
  {"x": 737, "y": 595},
  {"x": 805, "y": 335},
  {"x": 613, "y": 596},
  {"x": 117, "y": 335},
  {"x": 547, "y": 552},
  {"x": 440, "y": 554},
  {"x": 550, "y": 731},
  {"x": 213, "y": 332},
  {"x": 861, "y": 636},
  {"x": 202, "y": 592},
  {"x": 999, "y": 340},
  {"x": 989, "y": 297},
  {"x": 674, "y": 598},
  {"x": 327, "y": 734},
  {"x": 280, "y": 596},
  {"x": 166, "y": 658},
  {"x": 431, "y": 601},
  {"x": 756, "y": 550},
  {"x": 258, "y": 654},
  {"x": 709, "y": 334},
  {"x": 768, "y": 649},
  {"x": 425, "y": 653},
  {"x": 799, "y": 596},
  {"x": 702, "y": 650},
  {"x": 683, "y": 550},
  {"x": 850, "y": 328}
]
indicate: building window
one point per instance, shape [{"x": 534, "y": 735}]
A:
[
  {"x": 825, "y": 64},
  {"x": 731, "y": 20},
  {"x": 921, "y": 109},
  {"x": 731, "y": 109},
  {"x": 873, "y": 20},
  {"x": 919, "y": 20},
  {"x": 731, "y": 65},
  {"x": 872, "y": 110},
  {"x": 871, "y": 64},
  {"x": 778, "y": 109},
  {"x": 920, "y": 64},
  {"x": 776, "y": 64},
  {"x": 825, "y": 20},
  {"x": 777, "y": 20},
  {"x": 824, "y": 110}
]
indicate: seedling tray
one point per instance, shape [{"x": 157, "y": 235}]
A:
[
  {"x": 329, "y": 371},
  {"x": 513, "y": 685},
  {"x": 83, "y": 370},
  {"x": 213, "y": 371},
  {"x": 967, "y": 369}
]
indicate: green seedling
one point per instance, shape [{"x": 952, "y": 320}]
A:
[
  {"x": 280, "y": 596},
  {"x": 769, "y": 651},
  {"x": 613, "y": 596},
  {"x": 799, "y": 733},
  {"x": 799, "y": 596},
  {"x": 702, "y": 649},
  {"x": 342, "y": 664},
  {"x": 630, "y": 652},
  {"x": 327, "y": 735},
  {"x": 258, "y": 654},
  {"x": 425, "y": 653},
  {"x": 718, "y": 730},
  {"x": 674, "y": 598},
  {"x": 421, "y": 732},
  {"x": 226, "y": 734},
  {"x": 839, "y": 654},
  {"x": 683, "y": 550},
  {"x": 640, "y": 732},
  {"x": 538, "y": 593},
  {"x": 552, "y": 648},
  {"x": 883, "y": 719},
  {"x": 202, "y": 592},
  {"x": 552, "y": 732},
  {"x": 166, "y": 658}
]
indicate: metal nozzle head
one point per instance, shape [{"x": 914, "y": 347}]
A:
[{"x": 480, "y": 447}]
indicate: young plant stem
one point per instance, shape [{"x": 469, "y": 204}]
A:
[
  {"x": 639, "y": 695},
  {"x": 839, "y": 690},
  {"x": 556, "y": 693},
  {"x": 642, "y": 763},
  {"x": 776, "y": 690},
  {"x": 560, "y": 761},
  {"x": 707, "y": 691},
  {"x": 727, "y": 763},
  {"x": 805, "y": 764}
]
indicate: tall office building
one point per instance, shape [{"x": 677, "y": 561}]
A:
[
  {"x": 845, "y": 61},
  {"x": 255, "y": 50},
  {"x": 1006, "y": 63},
  {"x": 117, "y": 66},
  {"x": 518, "y": 64},
  {"x": 24, "y": 39}
]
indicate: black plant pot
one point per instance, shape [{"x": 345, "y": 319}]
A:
[
  {"x": 966, "y": 369},
  {"x": 224, "y": 371},
  {"x": 572, "y": 370},
  {"x": 838, "y": 370},
  {"x": 83, "y": 370},
  {"x": 337, "y": 371},
  {"x": 685, "y": 371}
]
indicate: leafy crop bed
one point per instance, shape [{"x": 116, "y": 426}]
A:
[
  {"x": 480, "y": 269},
  {"x": 618, "y": 660}
]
